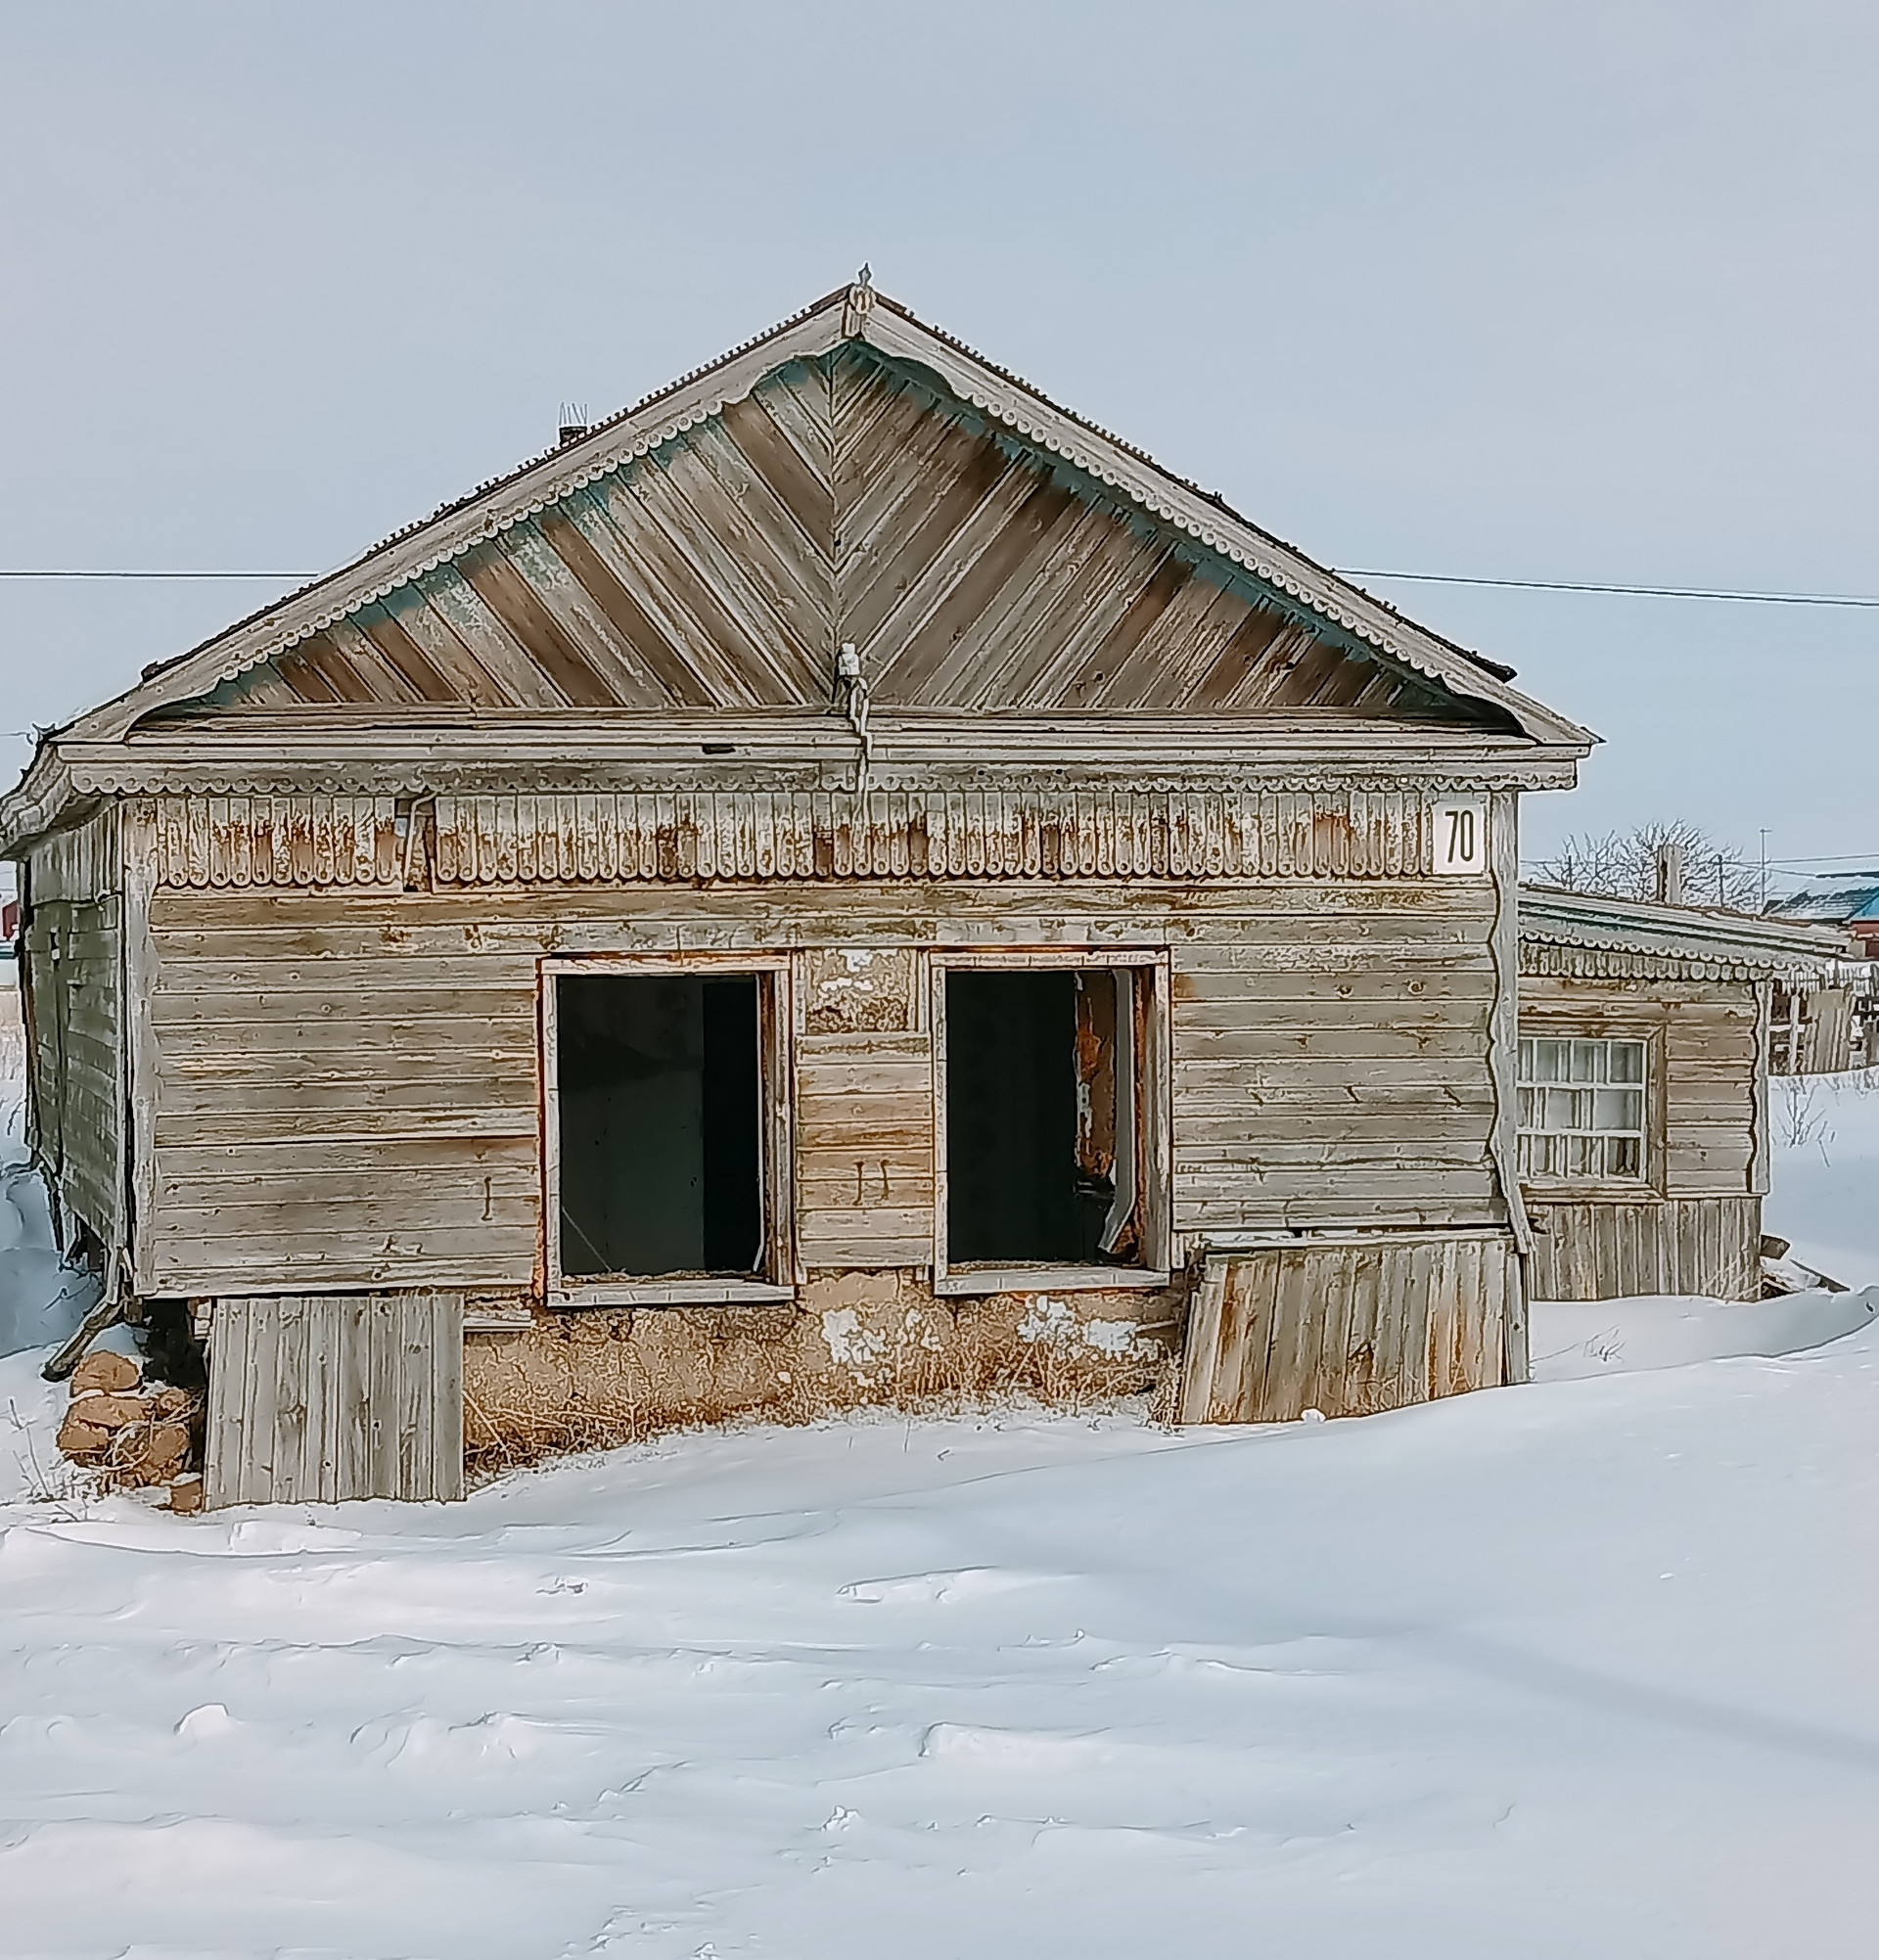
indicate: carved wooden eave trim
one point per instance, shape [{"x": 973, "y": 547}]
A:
[
  {"x": 1545, "y": 959},
  {"x": 1587, "y": 936},
  {"x": 419, "y": 777},
  {"x": 773, "y": 754},
  {"x": 728, "y": 837}
]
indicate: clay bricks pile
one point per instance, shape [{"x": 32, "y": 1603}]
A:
[{"x": 136, "y": 1434}]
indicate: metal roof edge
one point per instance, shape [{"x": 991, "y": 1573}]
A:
[{"x": 1644, "y": 925}]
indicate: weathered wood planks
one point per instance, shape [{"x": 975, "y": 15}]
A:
[
  {"x": 1614, "y": 1249},
  {"x": 1347, "y": 1325},
  {"x": 350, "y": 1088},
  {"x": 322, "y": 1398},
  {"x": 73, "y": 996},
  {"x": 712, "y": 570},
  {"x": 1693, "y": 1222}
]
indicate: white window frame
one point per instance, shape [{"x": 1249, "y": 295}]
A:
[
  {"x": 776, "y": 1067},
  {"x": 1634, "y": 1182},
  {"x": 1155, "y": 1154}
]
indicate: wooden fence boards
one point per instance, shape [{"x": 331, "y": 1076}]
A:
[{"x": 317, "y": 1399}]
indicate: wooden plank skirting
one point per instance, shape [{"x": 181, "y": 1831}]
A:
[
  {"x": 318, "y": 1398},
  {"x": 1621, "y": 1249},
  {"x": 1348, "y": 1326}
]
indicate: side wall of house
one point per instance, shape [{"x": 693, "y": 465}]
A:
[
  {"x": 73, "y": 996},
  {"x": 1696, "y": 1225},
  {"x": 348, "y": 1083}
]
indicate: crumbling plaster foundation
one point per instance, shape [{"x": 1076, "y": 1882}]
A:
[{"x": 594, "y": 1378}]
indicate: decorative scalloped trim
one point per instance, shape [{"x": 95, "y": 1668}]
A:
[
  {"x": 678, "y": 838},
  {"x": 443, "y": 778},
  {"x": 1555, "y": 956}
]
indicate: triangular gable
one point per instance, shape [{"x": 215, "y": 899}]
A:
[{"x": 855, "y": 477}]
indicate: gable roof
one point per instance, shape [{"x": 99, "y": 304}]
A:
[{"x": 858, "y": 315}]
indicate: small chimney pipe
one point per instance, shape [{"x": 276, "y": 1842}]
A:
[{"x": 1670, "y": 873}]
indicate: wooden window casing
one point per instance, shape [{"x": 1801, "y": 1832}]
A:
[
  {"x": 1586, "y": 1111},
  {"x": 776, "y": 1071},
  {"x": 1148, "y": 973}
]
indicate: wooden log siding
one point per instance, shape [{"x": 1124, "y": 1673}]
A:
[
  {"x": 1694, "y": 1223},
  {"x": 1703, "y": 1141},
  {"x": 324, "y": 1398},
  {"x": 1347, "y": 1326},
  {"x": 864, "y": 1150},
  {"x": 349, "y": 1081}
]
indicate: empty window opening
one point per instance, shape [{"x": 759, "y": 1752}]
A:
[
  {"x": 1043, "y": 1129},
  {"x": 661, "y": 1123}
]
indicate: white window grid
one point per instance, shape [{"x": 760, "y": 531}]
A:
[{"x": 1581, "y": 1108}]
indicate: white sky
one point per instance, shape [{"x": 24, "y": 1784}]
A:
[{"x": 1574, "y": 291}]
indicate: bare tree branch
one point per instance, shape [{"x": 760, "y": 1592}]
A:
[{"x": 1622, "y": 864}]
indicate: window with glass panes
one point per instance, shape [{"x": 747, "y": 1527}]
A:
[{"x": 1581, "y": 1108}]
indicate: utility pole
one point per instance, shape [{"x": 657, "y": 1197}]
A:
[{"x": 1765, "y": 870}]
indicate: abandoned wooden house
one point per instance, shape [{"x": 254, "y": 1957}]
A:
[
  {"x": 845, "y": 879},
  {"x": 1643, "y": 1082}
]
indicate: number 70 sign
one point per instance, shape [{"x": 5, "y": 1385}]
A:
[{"x": 1461, "y": 837}]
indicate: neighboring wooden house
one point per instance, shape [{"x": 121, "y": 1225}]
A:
[
  {"x": 839, "y": 876},
  {"x": 1643, "y": 1078}
]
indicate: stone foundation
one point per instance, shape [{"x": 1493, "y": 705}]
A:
[{"x": 596, "y": 1378}]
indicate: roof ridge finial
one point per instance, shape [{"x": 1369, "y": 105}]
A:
[{"x": 860, "y": 304}]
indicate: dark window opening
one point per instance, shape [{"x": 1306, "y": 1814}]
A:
[
  {"x": 1042, "y": 1129},
  {"x": 661, "y": 1122}
]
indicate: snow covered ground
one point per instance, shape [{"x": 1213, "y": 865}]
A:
[
  {"x": 1826, "y": 1174},
  {"x": 1572, "y": 1669}
]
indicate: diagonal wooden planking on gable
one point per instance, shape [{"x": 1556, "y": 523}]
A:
[{"x": 846, "y": 498}]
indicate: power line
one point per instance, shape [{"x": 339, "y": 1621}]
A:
[
  {"x": 1859, "y": 601},
  {"x": 1627, "y": 591}
]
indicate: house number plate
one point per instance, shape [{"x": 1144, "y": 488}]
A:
[{"x": 1461, "y": 837}]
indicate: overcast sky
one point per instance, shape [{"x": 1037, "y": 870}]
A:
[{"x": 1580, "y": 291}]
